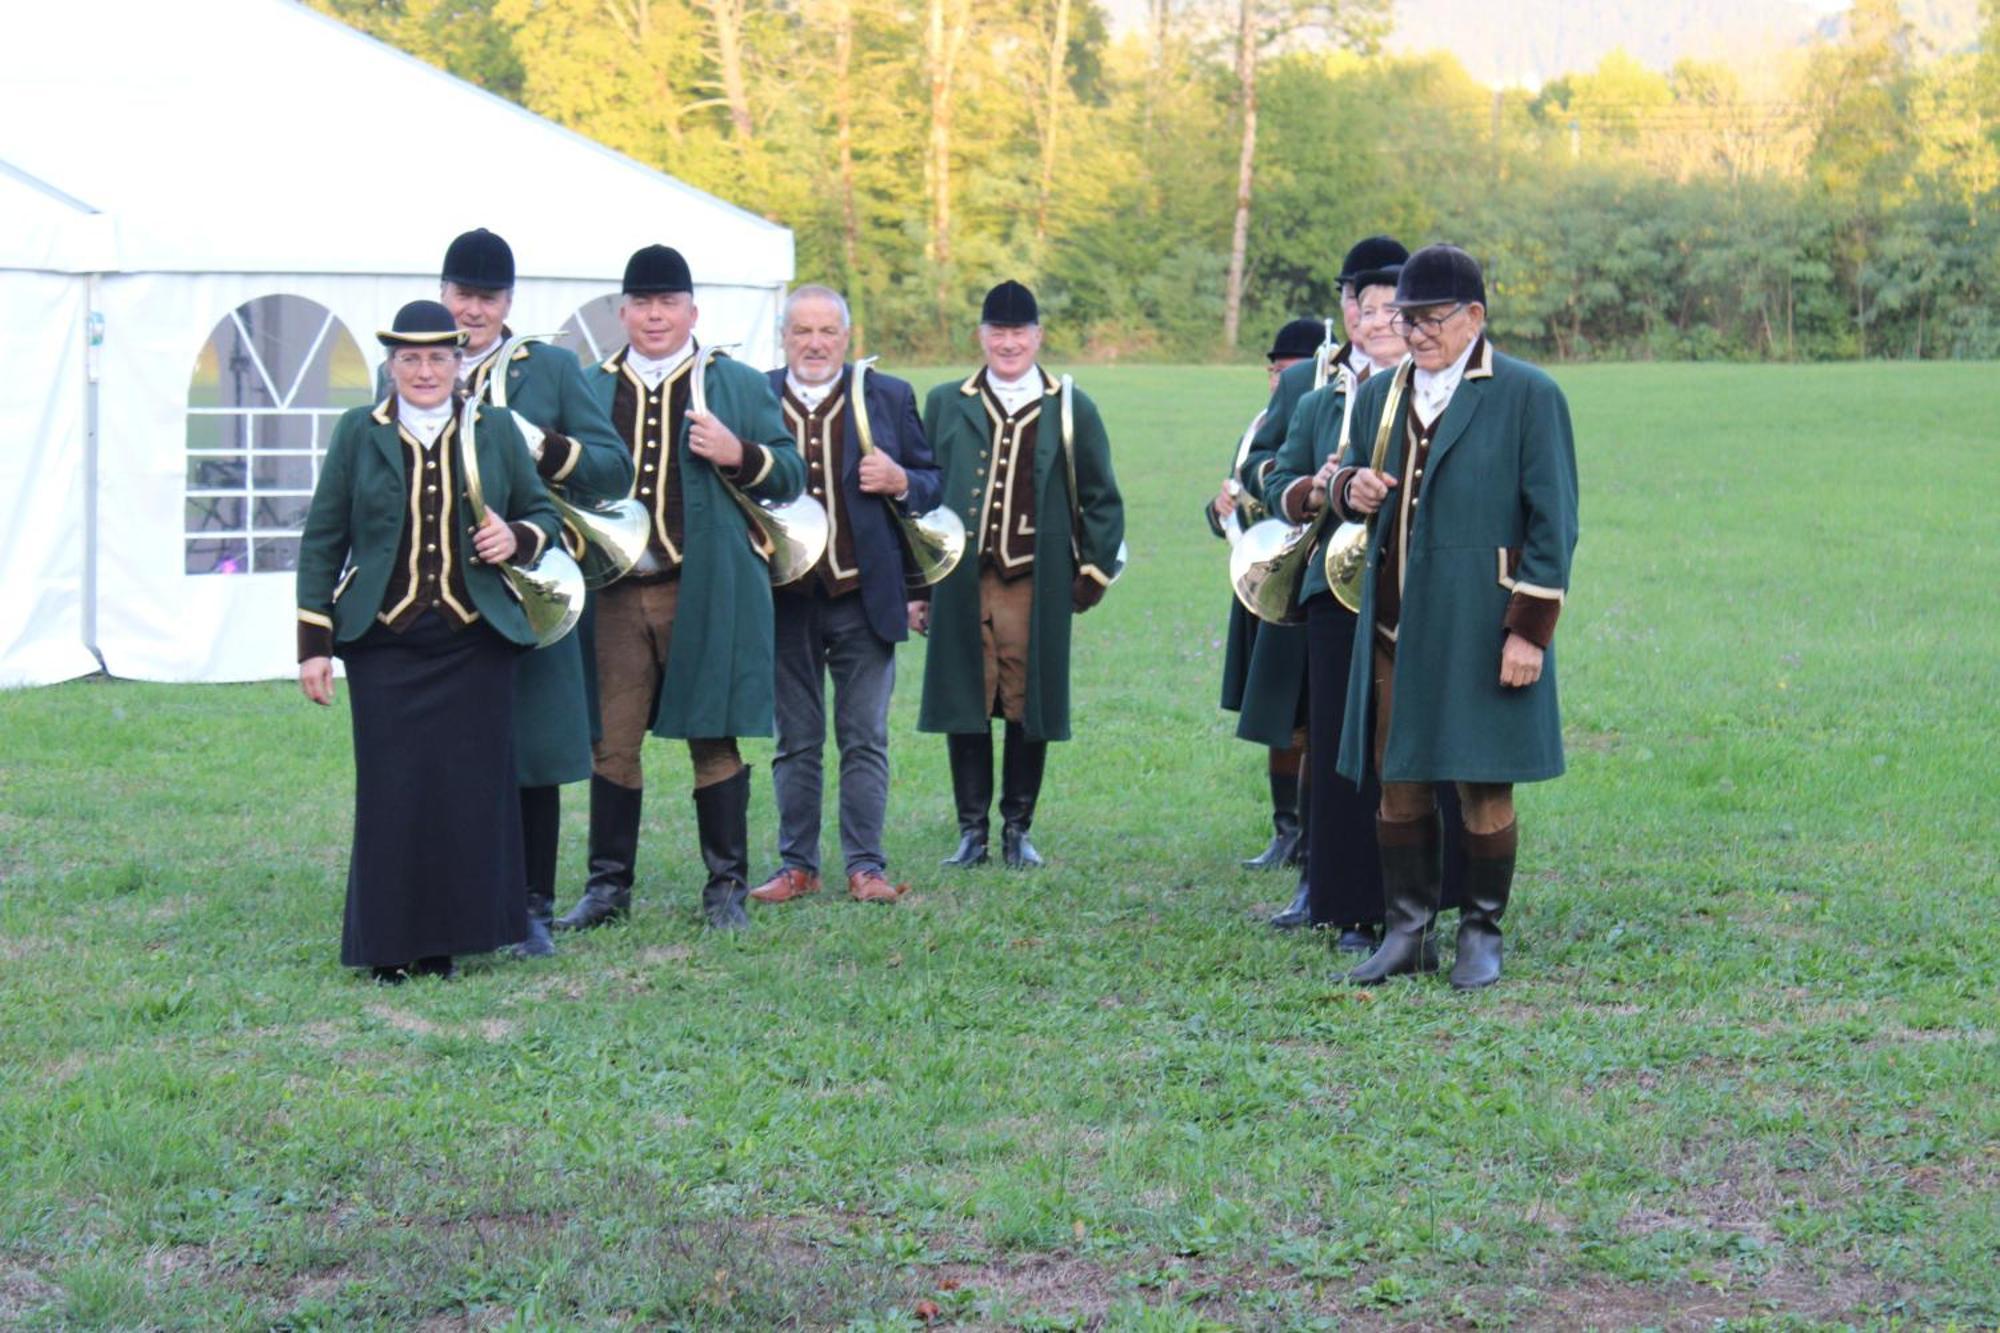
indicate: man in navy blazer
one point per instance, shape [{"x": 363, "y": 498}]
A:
[{"x": 848, "y": 613}]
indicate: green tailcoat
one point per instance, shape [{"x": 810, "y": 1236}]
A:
[
  {"x": 718, "y": 680},
  {"x": 1265, "y": 665},
  {"x": 960, "y": 433},
  {"x": 555, "y": 688},
  {"x": 1498, "y": 512},
  {"x": 1309, "y": 441},
  {"x": 358, "y": 510}
]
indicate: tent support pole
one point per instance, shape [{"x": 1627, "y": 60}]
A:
[{"x": 93, "y": 349}]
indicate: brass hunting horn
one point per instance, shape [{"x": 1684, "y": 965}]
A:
[
  {"x": 1118, "y": 561},
  {"x": 790, "y": 536},
  {"x": 1323, "y": 358},
  {"x": 1249, "y": 509},
  {"x": 1347, "y": 549},
  {"x": 551, "y": 589},
  {"x": 1268, "y": 566},
  {"x": 936, "y": 540},
  {"x": 612, "y": 534}
]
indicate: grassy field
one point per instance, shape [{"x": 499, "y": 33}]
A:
[{"x": 1742, "y": 1072}]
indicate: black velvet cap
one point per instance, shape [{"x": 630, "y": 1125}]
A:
[
  {"x": 1440, "y": 275},
  {"x": 1377, "y": 252},
  {"x": 421, "y": 324},
  {"x": 480, "y": 260},
  {"x": 657, "y": 269},
  {"x": 1010, "y": 303},
  {"x": 1386, "y": 276},
  {"x": 1297, "y": 340}
]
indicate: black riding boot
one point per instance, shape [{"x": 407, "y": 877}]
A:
[
  {"x": 1020, "y": 786},
  {"x": 1287, "y": 817},
  {"x": 971, "y": 756},
  {"x": 1489, "y": 880},
  {"x": 1411, "y": 872},
  {"x": 541, "y": 829},
  {"x": 722, "y": 823},
  {"x": 614, "y": 845},
  {"x": 1299, "y": 912}
]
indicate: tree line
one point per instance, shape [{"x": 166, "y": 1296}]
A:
[{"x": 1179, "y": 191}]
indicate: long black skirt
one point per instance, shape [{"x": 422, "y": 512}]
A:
[
  {"x": 437, "y": 865},
  {"x": 1344, "y": 868}
]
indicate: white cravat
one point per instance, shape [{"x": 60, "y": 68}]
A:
[
  {"x": 1016, "y": 394},
  {"x": 811, "y": 395},
  {"x": 471, "y": 364},
  {"x": 652, "y": 372},
  {"x": 1358, "y": 362},
  {"x": 426, "y": 423},
  {"x": 1435, "y": 387}
]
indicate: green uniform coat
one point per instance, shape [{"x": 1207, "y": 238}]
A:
[
  {"x": 1310, "y": 440},
  {"x": 960, "y": 433},
  {"x": 718, "y": 680},
  {"x": 555, "y": 688},
  {"x": 358, "y": 511},
  {"x": 1497, "y": 514}
]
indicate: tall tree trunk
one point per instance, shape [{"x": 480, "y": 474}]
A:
[
  {"x": 728, "y": 16},
  {"x": 843, "y": 110},
  {"x": 944, "y": 35},
  {"x": 1052, "y": 115},
  {"x": 1239, "y": 240}
]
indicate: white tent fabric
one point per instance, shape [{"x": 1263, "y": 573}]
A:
[{"x": 231, "y": 151}]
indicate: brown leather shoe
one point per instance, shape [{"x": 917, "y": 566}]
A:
[
  {"x": 870, "y": 886},
  {"x": 786, "y": 885}
]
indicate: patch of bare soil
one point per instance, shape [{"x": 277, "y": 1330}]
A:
[{"x": 22, "y": 1292}]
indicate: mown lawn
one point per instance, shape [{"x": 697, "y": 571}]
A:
[{"x": 1742, "y": 1071}]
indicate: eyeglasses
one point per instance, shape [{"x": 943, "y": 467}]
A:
[
  {"x": 433, "y": 360},
  {"x": 1428, "y": 325}
]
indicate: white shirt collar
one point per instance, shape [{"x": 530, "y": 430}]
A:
[
  {"x": 652, "y": 372},
  {"x": 472, "y": 363},
  {"x": 1435, "y": 387},
  {"x": 811, "y": 395},
  {"x": 426, "y": 423},
  {"x": 1016, "y": 394}
]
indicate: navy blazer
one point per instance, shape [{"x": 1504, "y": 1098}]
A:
[{"x": 878, "y": 547}]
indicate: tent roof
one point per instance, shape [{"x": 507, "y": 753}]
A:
[
  {"x": 256, "y": 136},
  {"x": 47, "y": 229}
]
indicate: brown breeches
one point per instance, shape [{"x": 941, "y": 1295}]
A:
[
  {"x": 635, "y": 627},
  {"x": 1005, "y": 611},
  {"x": 1485, "y": 807}
]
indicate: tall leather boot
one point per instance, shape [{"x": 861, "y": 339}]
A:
[
  {"x": 614, "y": 846},
  {"x": 971, "y": 755},
  {"x": 1020, "y": 786},
  {"x": 1489, "y": 881},
  {"x": 1299, "y": 912},
  {"x": 541, "y": 830},
  {"x": 1286, "y": 821},
  {"x": 722, "y": 824},
  {"x": 1411, "y": 873}
]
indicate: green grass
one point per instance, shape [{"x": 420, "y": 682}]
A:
[{"x": 1742, "y": 1071}]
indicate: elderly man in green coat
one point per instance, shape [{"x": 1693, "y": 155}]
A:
[
  {"x": 1464, "y": 465},
  {"x": 580, "y": 459},
  {"x": 1028, "y": 468},
  {"x": 684, "y": 642}
]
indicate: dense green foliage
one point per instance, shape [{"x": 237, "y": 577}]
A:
[
  {"x": 1790, "y": 205},
  {"x": 1741, "y": 1073}
]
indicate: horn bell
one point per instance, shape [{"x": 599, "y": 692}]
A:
[
  {"x": 550, "y": 592},
  {"x": 791, "y": 536},
  {"x": 935, "y": 541},
  {"x": 1268, "y": 566},
  {"x": 1346, "y": 561},
  {"x": 614, "y": 535}
]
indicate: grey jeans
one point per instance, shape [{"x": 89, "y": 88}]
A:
[{"x": 815, "y": 637}]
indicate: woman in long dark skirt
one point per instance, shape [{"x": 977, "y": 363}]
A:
[{"x": 429, "y": 631}]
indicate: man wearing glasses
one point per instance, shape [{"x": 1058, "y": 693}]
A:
[{"x": 1453, "y": 676}]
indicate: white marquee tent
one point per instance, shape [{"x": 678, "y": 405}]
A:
[{"x": 202, "y": 224}]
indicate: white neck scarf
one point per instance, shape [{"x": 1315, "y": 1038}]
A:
[
  {"x": 812, "y": 395},
  {"x": 1016, "y": 394},
  {"x": 1435, "y": 387},
  {"x": 426, "y": 423},
  {"x": 651, "y": 372},
  {"x": 472, "y": 362}
]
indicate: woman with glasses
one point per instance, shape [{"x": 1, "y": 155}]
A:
[
  {"x": 1345, "y": 871},
  {"x": 429, "y": 631}
]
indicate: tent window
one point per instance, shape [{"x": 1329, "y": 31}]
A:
[
  {"x": 593, "y": 332},
  {"x": 269, "y": 384}
]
